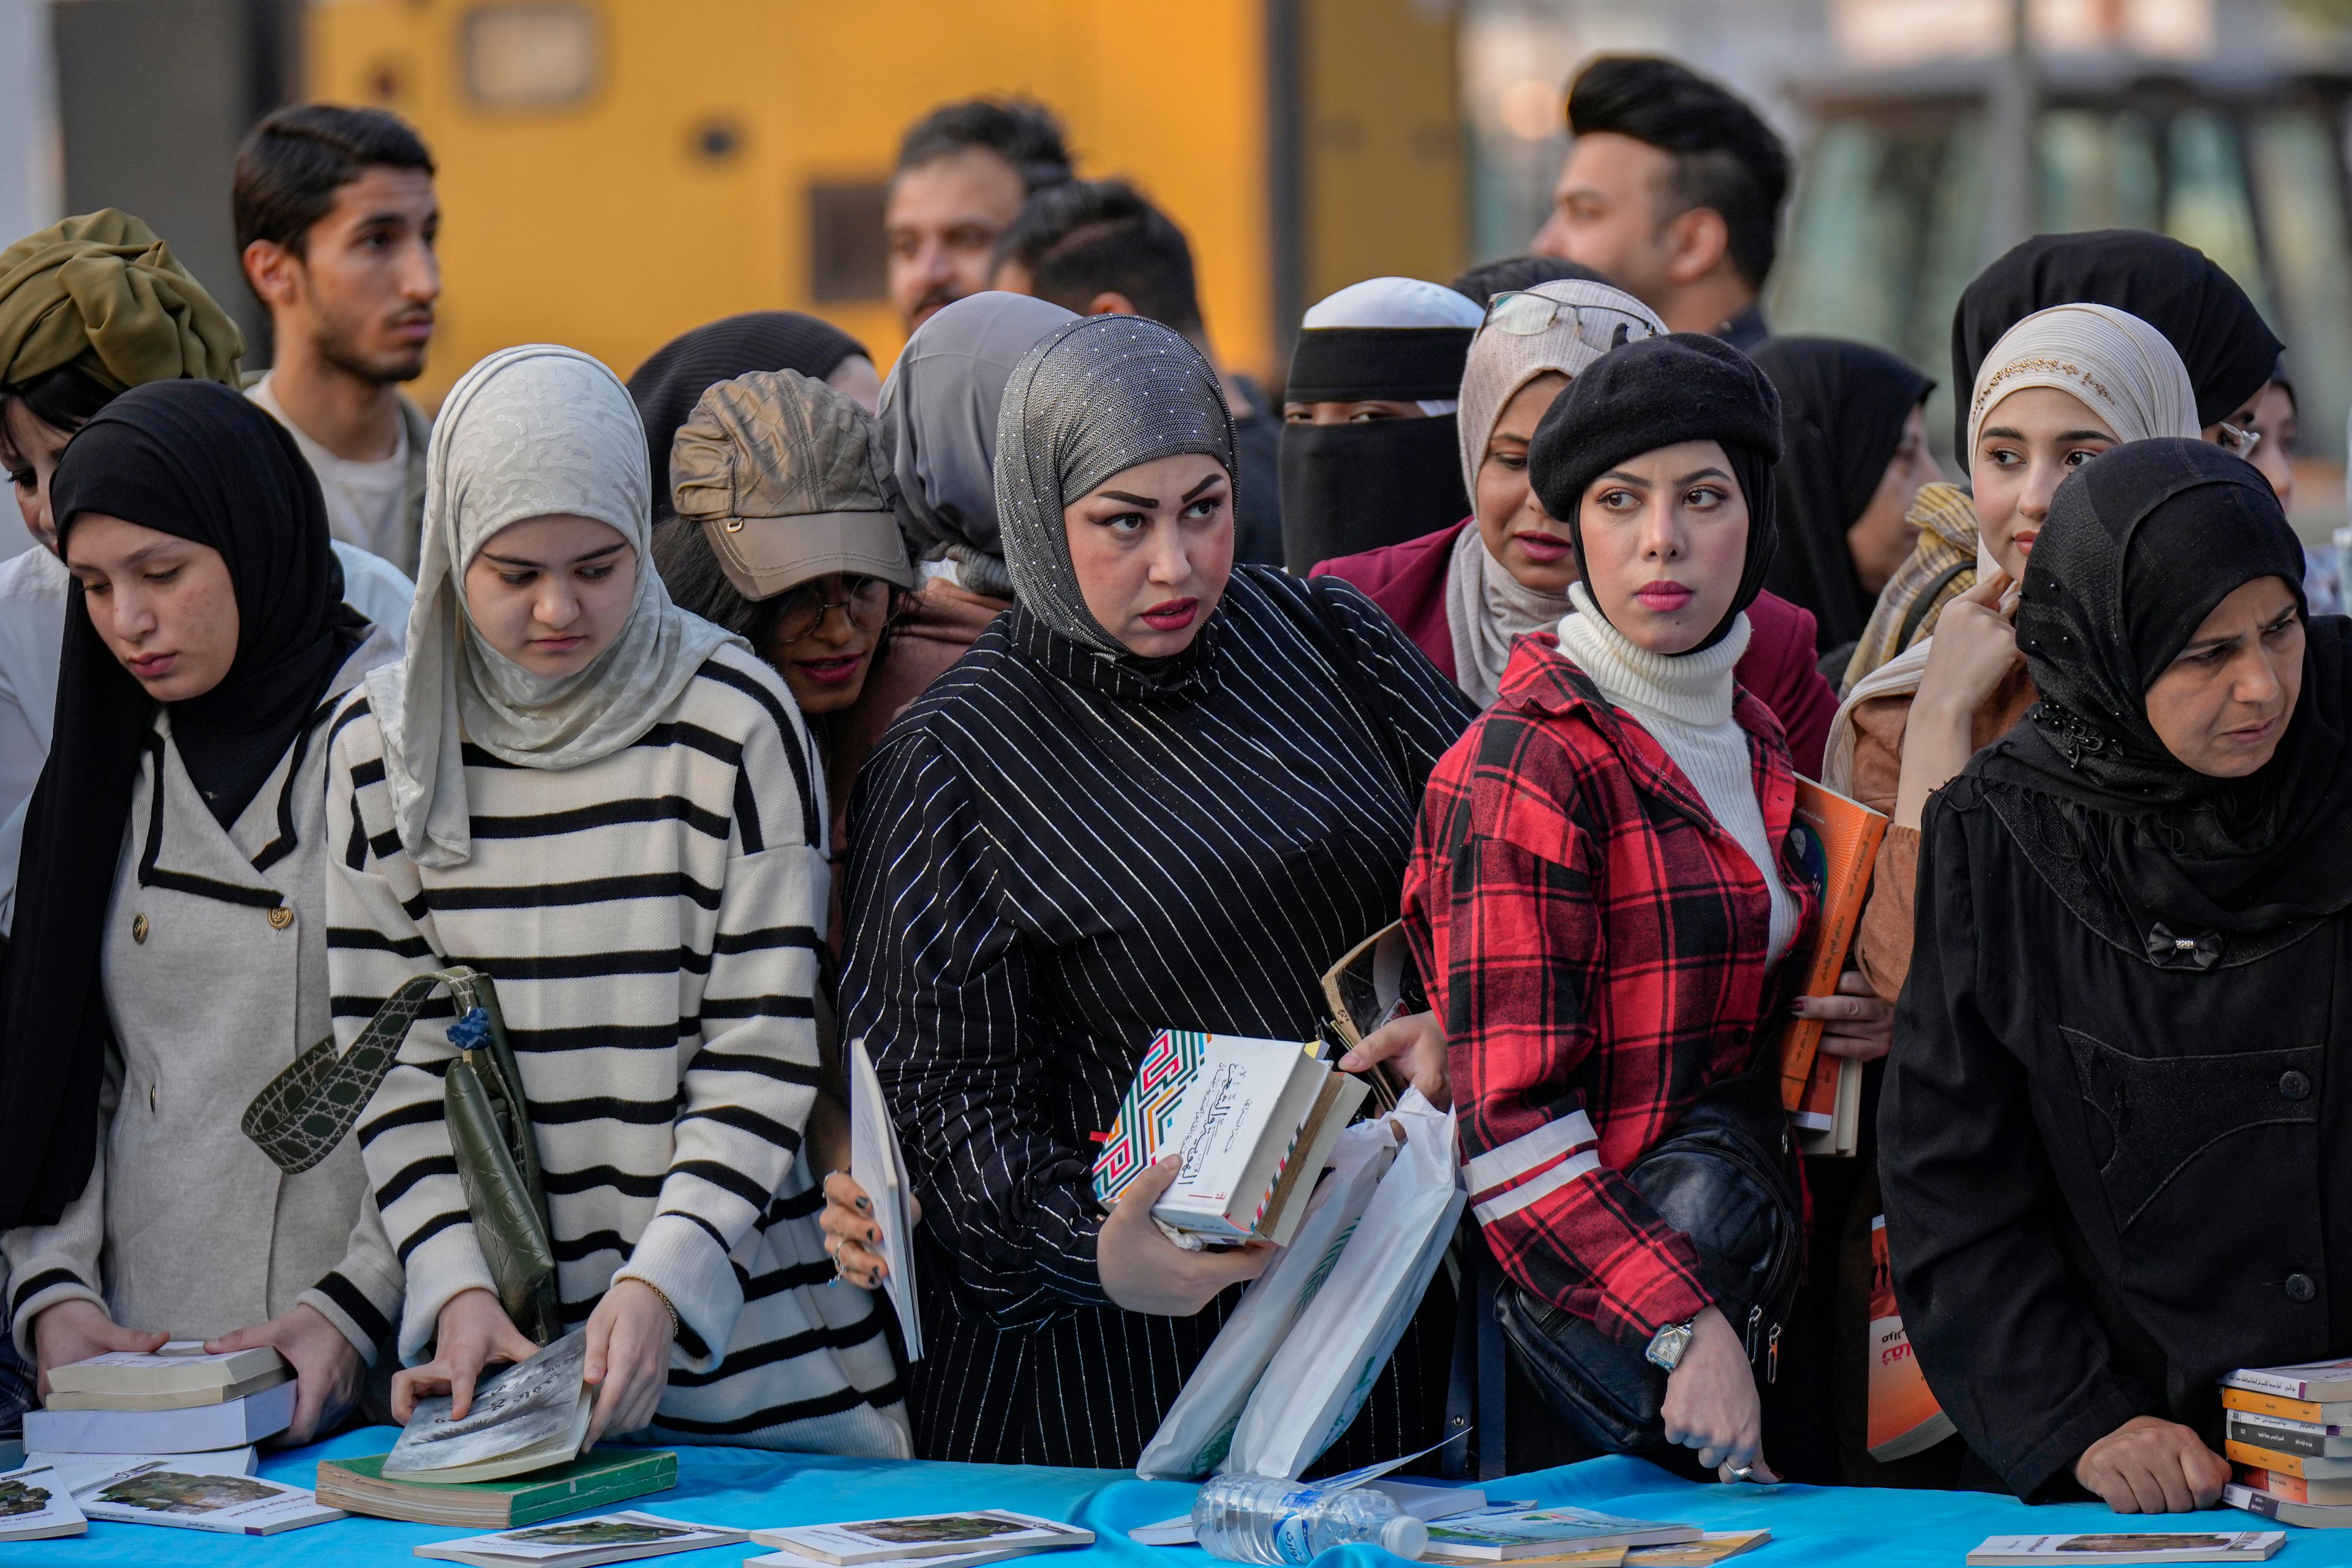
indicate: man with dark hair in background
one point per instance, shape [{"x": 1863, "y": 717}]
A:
[
  {"x": 1100, "y": 248},
  {"x": 964, "y": 169},
  {"x": 1672, "y": 190},
  {"x": 336, "y": 222}
]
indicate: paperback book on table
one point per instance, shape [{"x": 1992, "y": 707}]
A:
[
  {"x": 584, "y": 1542},
  {"x": 35, "y": 1504},
  {"x": 157, "y": 1493},
  {"x": 179, "y": 1376},
  {"x": 925, "y": 1535},
  {"x": 595, "y": 1481},
  {"x": 2282, "y": 1433},
  {"x": 1513, "y": 1534},
  {"x": 2128, "y": 1546},
  {"x": 531, "y": 1416},
  {"x": 1253, "y": 1119},
  {"x": 226, "y": 1423}
]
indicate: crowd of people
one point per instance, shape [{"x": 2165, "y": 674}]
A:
[{"x": 1060, "y": 685}]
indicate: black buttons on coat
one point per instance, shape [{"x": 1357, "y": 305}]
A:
[
  {"x": 2294, "y": 1085},
  {"x": 2299, "y": 1288}
]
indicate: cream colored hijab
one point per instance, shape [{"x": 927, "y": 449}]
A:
[
  {"x": 526, "y": 433},
  {"x": 1486, "y": 608},
  {"x": 2119, "y": 367}
]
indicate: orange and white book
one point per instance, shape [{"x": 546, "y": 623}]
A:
[
  {"x": 1836, "y": 840},
  {"x": 1905, "y": 1418}
]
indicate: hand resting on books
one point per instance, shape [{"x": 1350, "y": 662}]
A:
[
  {"x": 80, "y": 1329},
  {"x": 1855, "y": 1022},
  {"x": 1143, "y": 1271},
  {"x": 1415, "y": 1047},
  {"x": 1711, "y": 1401},
  {"x": 326, "y": 1368},
  {"x": 2152, "y": 1466},
  {"x": 629, "y": 1336},
  {"x": 853, "y": 1235}
]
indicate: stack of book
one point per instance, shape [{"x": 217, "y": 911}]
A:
[
  {"x": 177, "y": 1400},
  {"x": 2288, "y": 1437},
  {"x": 1255, "y": 1120}
]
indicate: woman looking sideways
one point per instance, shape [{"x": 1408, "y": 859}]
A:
[
  {"x": 572, "y": 774},
  {"x": 1602, "y": 885},
  {"x": 173, "y": 960},
  {"x": 1162, "y": 791},
  {"x": 2060, "y": 388},
  {"x": 1467, "y": 592},
  {"x": 2128, "y": 1005}
]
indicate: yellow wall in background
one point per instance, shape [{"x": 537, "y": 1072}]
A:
[{"x": 600, "y": 224}]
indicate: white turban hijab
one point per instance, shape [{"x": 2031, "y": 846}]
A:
[
  {"x": 526, "y": 433},
  {"x": 1396, "y": 302},
  {"x": 1486, "y": 608},
  {"x": 2119, "y": 367}
]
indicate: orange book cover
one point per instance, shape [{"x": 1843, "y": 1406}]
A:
[
  {"x": 1816, "y": 1108},
  {"x": 1837, "y": 842},
  {"x": 1905, "y": 1418},
  {"x": 2284, "y": 1486},
  {"x": 2254, "y": 1404}
]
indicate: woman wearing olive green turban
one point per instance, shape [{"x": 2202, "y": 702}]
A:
[{"x": 88, "y": 309}]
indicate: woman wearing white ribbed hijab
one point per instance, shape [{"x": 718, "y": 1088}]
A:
[{"x": 2060, "y": 387}]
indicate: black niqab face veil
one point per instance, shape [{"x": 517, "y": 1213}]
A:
[
  {"x": 194, "y": 459},
  {"x": 2163, "y": 861},
  {"x": 1843, "y": 406}
]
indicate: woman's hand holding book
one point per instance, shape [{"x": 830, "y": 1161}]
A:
[
  {"x": 79, "y": 1329},
  {"x": 1143, "y": 1271},
  {"x": 326, "y": 1368},
  {"x": 1415, "y": 1047},
  {"x": 472, "y": 1331}
]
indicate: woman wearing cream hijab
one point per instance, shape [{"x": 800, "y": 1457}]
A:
[
  {"x": 2062, "y": 386},
  {"x": 1465, "y": 593},
  {"x": 571, "y": 773}
]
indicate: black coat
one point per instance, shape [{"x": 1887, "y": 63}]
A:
[{"x": 2106, "y": 1183}]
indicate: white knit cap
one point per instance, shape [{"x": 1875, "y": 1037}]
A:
[{"x": 2122, "y": 369}]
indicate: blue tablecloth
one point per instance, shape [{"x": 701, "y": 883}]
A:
[{"x": 749, "y": 1489}]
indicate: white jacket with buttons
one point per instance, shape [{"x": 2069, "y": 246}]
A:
[{"x": 216, "y": 976}]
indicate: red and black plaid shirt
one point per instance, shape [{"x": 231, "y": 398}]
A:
[{"x": 1595, "y": 944}]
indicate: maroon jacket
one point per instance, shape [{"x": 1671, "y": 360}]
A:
[{"x": 1408, "y": 581}]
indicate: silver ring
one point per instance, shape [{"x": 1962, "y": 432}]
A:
[{"x": 1744, "y": 1473}]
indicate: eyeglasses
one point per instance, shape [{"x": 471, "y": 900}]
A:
[
  {"x": 867, "y": 606},
  {"x": 2242, "y": 442},
  {"x": 1604, "y": 327}
]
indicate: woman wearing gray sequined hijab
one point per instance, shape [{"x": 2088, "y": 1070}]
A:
[
  {"x": 1162, "y": 791},
  {"x": 1087, "y": 402}
]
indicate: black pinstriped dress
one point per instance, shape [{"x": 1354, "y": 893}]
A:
[{"x": 1056, "y": 853}]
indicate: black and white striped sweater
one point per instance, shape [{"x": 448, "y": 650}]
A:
[{"x": 651, "y": 920}]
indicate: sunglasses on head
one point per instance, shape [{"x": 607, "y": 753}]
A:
[{"x": 1523, "y": 315}]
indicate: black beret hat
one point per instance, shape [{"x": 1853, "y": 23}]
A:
[{"x": 1651, "y": 393}]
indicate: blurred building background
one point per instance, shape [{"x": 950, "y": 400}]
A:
[{"x": 615, "y": 170}]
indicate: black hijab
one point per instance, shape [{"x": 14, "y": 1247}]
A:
[
  {"x": 194, "y": 459},
  {"x": 667, "y": 387},
  {"x": 1843, "y": 406},
  {"x": 1353, "y": 488},
  {"x": 2163, "y": 861},
  {"x": 2176, "y": 288},
  {"x": 1660, "y": 392}
]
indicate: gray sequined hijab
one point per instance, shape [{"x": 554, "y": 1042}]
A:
[{"x": 1088, "y": 400}]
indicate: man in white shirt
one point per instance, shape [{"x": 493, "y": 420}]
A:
[{"x": 336, "y": 221}]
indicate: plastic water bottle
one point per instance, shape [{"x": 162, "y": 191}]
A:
[{"x": 1252, "y": 1518}]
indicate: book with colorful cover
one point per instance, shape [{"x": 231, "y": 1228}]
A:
[
  {"x": 35, "y": 1504},
  {"x": 2312, "y": 1439},
  {"x": 157, "y": 1493},
  {"x": 2130, "y": 1546},
  {"x": 2311, "y": 1412},
  {"x": 1836, "y": 841},
  {"x": 2290, "y": 1488},
  {"x": 2308, "y": 1467},
  {"x": 2304, "y": 1516},
  {"x": 595, "y": 1481},
  {"x": 1905, "y": 1418},
  {"x": 1234, "y": 1106},
  {"x": 2312, "y": 1383},
  {"x": 584, "y": 1542}
]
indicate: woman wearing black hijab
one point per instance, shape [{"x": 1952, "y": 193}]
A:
[
  {"x": 2109, "y": 1132},
  {"x": 1853, "y": 454},
  {"x": 171, "y": 950}
]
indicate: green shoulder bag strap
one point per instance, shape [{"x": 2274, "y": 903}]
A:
[{"x": 304, "y": 1112}]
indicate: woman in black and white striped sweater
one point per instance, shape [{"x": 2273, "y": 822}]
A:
[{"x": 612, "y": 807}]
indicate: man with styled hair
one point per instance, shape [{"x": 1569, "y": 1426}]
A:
[
  {"x": 336, "y": 222},
  {"x": 964, "y": 170},
  {"x": 1672, "y": 190},
  {"x": 1101, "y": 248}
]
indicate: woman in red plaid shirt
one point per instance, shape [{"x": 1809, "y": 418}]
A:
[{"x": 1600, "y": 887}]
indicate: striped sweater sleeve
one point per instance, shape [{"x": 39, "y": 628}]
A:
[
  {"x": 374, "y": 942},
  {"x": 751, "y": 1081}
]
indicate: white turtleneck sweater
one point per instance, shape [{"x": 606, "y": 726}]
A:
[{"x": 1684, "y": 701}]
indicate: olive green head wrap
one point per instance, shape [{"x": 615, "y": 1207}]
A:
[{"x": 100, "y": 290}]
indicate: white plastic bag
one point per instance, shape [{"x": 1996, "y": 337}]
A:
[
  {"x": 1193, "y": 1434},
  {"x": 1328, "y": 1364}
]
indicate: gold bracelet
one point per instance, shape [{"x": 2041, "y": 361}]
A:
[{"x": 668, "y": 1305}]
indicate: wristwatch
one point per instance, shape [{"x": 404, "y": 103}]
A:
[{"x": 1667, "y": 1345}]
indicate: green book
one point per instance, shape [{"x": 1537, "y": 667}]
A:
[{"x": 594, "y": 1480}]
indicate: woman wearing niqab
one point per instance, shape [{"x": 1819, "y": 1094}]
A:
[
  {"x": 1090, "y": 831},
  {"x": 2127, "y": 1006}
]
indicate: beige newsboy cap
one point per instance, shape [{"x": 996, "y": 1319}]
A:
[{"x": 787, "y": 478}]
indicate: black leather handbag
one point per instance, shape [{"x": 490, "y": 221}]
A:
[{"x": 1729, "y": 1177}]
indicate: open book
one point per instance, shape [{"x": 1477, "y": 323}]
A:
[{"x": 529, "y": 1416}]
